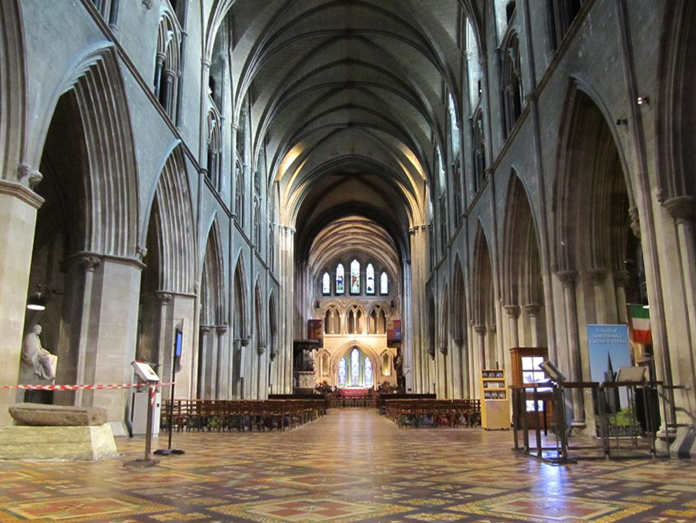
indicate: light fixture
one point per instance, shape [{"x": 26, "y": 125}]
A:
[
  {"x": 37, "y": 301},
  {"x": 643, "y": 100},
  {"x": 646, "y": 306}
]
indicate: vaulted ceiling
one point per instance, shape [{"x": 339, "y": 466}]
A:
[{"x": 349, "y": 98}]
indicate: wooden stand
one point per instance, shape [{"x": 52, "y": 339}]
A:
[{"x": 495, "y": 403}]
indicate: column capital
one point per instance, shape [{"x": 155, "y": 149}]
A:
[
  {"x": 621, "y": 278},
  {"x": 90, "y": 263},
  {"x": 244, "y": 341},
  {"x": 205, "y": 329},
  {"x": 567, "y": 276},
  {"x": 221, "y": 329},
  {"x": 681, "y": 208},
  {"x": 480, "y": 329},
  {"x": 260, "y": 350},
  {"x": 513, "y": 311},
  {"x": 443, "y": 349},
  {"x": 532, "y": 309},
  {"x": 163, "y": 297},
  {"x": 597, "y": 275}
]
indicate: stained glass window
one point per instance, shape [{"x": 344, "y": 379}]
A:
[
  {"x": 326, "y": 284},
  {"x": 368, "y": 372},
  {"x": 355, "y": 368},
  {"x": 342, "y": 373},
  {"x": 384, "y": 284},
  {"x": 370, "y": 279},
  {"x": 340, "y": 274},
  {"x": 355, "y": 277}
]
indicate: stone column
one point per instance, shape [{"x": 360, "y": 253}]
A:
[
  {"x": 169, "y": 78},
  {"x": 513, "y": 313},
  {"x": 532, "y": 310},
  {"x": 480, "y": 362},
  {"x": 164, "y": 298},
  {"x": 567, "y": 278},
  {"x": 203, "y": 362},
  {"x": 221, "y": 376},
  {"x": 261, "y": 373},
  {"x": 597, "y": 276},
  {"x": 459, "y": 374},
  {"x": 158, "y": 72},
  {"x": 18, "y": 206},
  {"x": 287, "y": 307},
  {"x": 682, "y": 211},
  {"x": 88, "y": 264},
  {"x": 621, "y": 279}
]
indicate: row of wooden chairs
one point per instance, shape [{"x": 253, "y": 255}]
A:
[
  {"x": 337, "y": 400},
  {"x": 433, "y": 413},
  {"x": 240, "y": 415}
]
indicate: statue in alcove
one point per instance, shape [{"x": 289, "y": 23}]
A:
[{"x": 40, "y": 363}]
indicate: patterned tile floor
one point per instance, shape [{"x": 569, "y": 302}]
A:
[{"x": 350, "y": 466}]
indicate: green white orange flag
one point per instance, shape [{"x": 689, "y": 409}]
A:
[{"x": 639, "y": 318}]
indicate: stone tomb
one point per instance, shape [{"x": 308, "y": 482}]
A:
[{"x": 57, "y": 432}]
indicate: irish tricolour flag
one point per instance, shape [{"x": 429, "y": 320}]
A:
[{"x": 640, "y": 324}]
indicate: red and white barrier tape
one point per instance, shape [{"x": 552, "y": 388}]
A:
[{"x": 110, "y": 386}]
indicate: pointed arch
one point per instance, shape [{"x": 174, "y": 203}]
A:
[
  {"x": 173, "y": 215},
  {"x": 482, "y": 281},
  {"x": 213, "y": 302},
  {"x": 241, "y": 327},
  {"x": 458, "y": 303},
  {"x": 110, "y": 215},
  {"x": 592, "y": 188},
  {"x": 258, "y": 318}
]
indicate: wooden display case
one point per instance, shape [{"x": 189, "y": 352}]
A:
[
  {"x": 525, "y": 369},
  {"x": 495, "y": 400}
]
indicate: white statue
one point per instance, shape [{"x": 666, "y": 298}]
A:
[{"x": 36, "y": 357}]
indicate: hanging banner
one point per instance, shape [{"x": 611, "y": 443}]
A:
[{"x": 394, "y": 333}]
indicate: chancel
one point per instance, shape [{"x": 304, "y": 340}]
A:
[{"x": 350, "y": 232}]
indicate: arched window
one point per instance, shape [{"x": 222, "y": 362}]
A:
[
  {"x": 473, "y": 66},
  {"x": 454, "y": 126},
  {"x": 562, "y": 13},
  {"x": 340, "y": 279},
  {"x": 239, "y": 193},
  {"x": 511, "y": 82},
  {"x": 327, "y": 322},
  {"x": 382, "y": 323},
  {"x": 342, "y": 372},
  {"x": 370, "y": 279},
  {"x": 479, "y": 150},
  {"x": 355, "y": 277},
  {"x": 214, "y": 166},
  {"x": 355, "y": 368},
  {"x": 373, "y": 322},
  {"x": 108, "y": 9},
  {"x": 168, "y": 64},
  {"x": 368, "y": 373},
  {"x": 384, "y": 284},
  {"x": 441, "y": 174},
  {"x": 326, "y": 284}
]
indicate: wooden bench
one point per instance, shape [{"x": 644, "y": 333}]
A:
[{"x": 433, "y": 413}]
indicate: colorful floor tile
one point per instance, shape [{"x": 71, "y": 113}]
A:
[{"x": 350, "y": 466}]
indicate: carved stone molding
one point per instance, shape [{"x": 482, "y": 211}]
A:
[
  {"x": 27, "y": 177},
  {"x": 221, "y": 329},
  {"x": 532, "y": 309},
  {"x": 90, "y": 263},
  {"x": 621, "y": 278},
  {"x": 260, "y": 350},
  {"x": 244, "y": 342},
  {"x": 164, "y": 297},
  {"x": 513, "y": 311},
  {"x": 205, "y": 329},
  {"x": 147, "y": 4},
  {"x": 443, "y": 350},
  {"x": 141, "y": 252},
  {"x": 480, "y": 329},
  {"x": 635, "y": 221},
  {"x": 567, "y": 277},
  {"x": 681, "y": 208},
  {"x": 597, "y": 275},
  {"x": 19, "y": 191}
]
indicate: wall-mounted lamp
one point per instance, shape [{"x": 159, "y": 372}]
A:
[
  {"x": 622, "y": 121},
  {"x": 37, "y": 301},
  {"x": 643, "y": 100}
]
